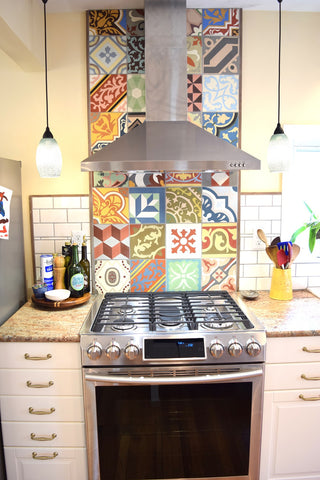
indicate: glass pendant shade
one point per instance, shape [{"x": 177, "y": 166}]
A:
[
  {"x": 48, "y": 156},
  {"x": 279, "y": 151}
]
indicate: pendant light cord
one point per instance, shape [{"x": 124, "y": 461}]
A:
[
  {"x": 279, "y": 61},
  {"x": 46, "y": 62}
]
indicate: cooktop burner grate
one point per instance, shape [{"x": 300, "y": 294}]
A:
[{"x": 169, "y": 311}]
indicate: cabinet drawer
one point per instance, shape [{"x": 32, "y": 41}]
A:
[
  {"x": 292, "y": 376},
  {"x": 39, "y": 355},
  {"x": 51, "y": 382},
  {"x": 293, "y": 349},
  {"x": 59, "y": 434},
  {"x": 43, "y": 409},
  {"x": 68, "y": 464}
]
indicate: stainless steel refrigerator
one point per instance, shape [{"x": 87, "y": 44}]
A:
[{"x": 12, "y": 266}]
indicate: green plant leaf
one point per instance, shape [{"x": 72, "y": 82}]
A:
[
  {"x": 312, "y": 239},
  {"x": 297, "y": 232}
]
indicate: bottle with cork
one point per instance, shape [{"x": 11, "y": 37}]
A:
[
  {"x": 85, "y": 265},
  {"x": 75, "y": 275}
]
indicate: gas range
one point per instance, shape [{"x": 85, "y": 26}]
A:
[{"x": 150, "y": 328}]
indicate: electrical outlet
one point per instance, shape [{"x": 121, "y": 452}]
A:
[
  {"x": 256, "y": 242},
  {"x": 77, "y": 237}
]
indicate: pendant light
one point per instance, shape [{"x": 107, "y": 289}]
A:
[
  {"x": 279, "y": 150},
  {"x": 48, "y": 156}
]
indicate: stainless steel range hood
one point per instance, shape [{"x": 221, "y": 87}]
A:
[{"x": 167, "y": 141}]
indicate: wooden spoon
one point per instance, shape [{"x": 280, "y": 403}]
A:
[
  {"x": 262, "y": 237},
  {"x": 275, "y": 241},
  {"x": 272, "y": 253},
  {"x": 295, "y": 253}
]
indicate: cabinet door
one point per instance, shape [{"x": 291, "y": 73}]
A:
[
  {"x": 46, "y": 463},
  {"x": 291, "y": 436}
]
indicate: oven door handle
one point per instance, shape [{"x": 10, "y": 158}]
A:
[{"x": 141, "y": 380}]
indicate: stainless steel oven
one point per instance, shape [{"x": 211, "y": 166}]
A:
[{"x": 179, "y": 398}]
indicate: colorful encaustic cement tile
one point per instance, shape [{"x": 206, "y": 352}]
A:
[
  {"x": 220, "y": 55},
  {"x": 220, "y": 93},
  {"x": 112, "y": 276},
  {"x": 219, "y": 239},
  {"x": 195, "y": 118},
  {"x": 107, "y": 55},
  {"x": 147, "y": 179},
  {"x": 111, "y": 241},
  {"x": 135, "y": 22},
  {"x": 224, "y": 125},
  {"x": 147, "y": 205},
  {"x": 184, "y": 178},
  {"x": 183, "y": 204},
  {"x": 219, "y": 274},
  {"x": 110, "y": 179},
  {"x": 136, "y": 93},
  {"x": 220, "y": 204},
  {"x": 106, "y": 127},
  {"x": 221, "y": 21},
  {"x": 148, "y": 275},
  {"x": 107, "y": 22},
  {"x": 184, "y": 275},
  {"x": 110, "y": 94},
  {"x": 194, "y": 54},
  {"x": 110, "y": 205},
  {"x": 147, "y": 241},
  {"x": 135, "y": 120},
  {"x": 194, "y": 92},
  {"x": 220, "y": 179},
  {"x": 194, "y": 21},
  {"x": 135, "y": 52},
  {"x": 183, "y": 241}
]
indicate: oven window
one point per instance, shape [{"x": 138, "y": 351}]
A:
[{"x": 174, "y": 431}]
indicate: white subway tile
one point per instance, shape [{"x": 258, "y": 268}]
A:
[
  {"x": 308, "y": 269},
  {"x": 314, "y": 282},
  {"x": 247, "y": 284},
  {"x": 277, "y": 199},
  {"x": 249, "y": 213},
  {"x": 43, "y": 230},
  {"x": 64, "y": 229},
  {"x": 85, "y": 201},
  {"x": 44, "y": 246},
  {"x": 42, "y": 202},
  {"x": 248, "y": 257},
  {"x": 269, "y": 213},
  {"x": 35, "y": 216},
  {"x": 243, "y": 200},
  {"x": 251, "y": 226},
  {"x": 78, "y": 215},
  {"x": 67, "y": 202},
  {"x": 299, "y": 283},
  {"x": 256, "y": 271},
  {"x": 258, "y": 200},
  {"x": 53, "y": 216},
  {"x": 264, "y": 283},
  {"x": 276, "y": 228}
]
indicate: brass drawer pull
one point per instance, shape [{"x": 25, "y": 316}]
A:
[
  {"x": 44, "y": 457},
  {"x": 41, "y": 412},
  {"x": 39, "y": 385},
  {"x": 309, "y": 378},
  {"x": 309, "y": 399},
  {"x": 47, "y": 438},
  {"x": 306, "y": 349},
  {"x": 47, "y": 357}
]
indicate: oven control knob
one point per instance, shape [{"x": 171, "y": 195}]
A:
[
  {"x": 235, "y": 349},
  {"x": 216, "y": 349},
  {"x": 131, "y": 351},
  {"x": 94, "y": 351},
  {"x": 113, "y": 351},
  {"x": 253, "y": 348}
]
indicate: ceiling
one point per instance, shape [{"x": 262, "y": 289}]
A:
[{"x": 64, "y": 6}]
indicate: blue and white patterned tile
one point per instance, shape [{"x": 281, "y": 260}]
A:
[
  {"x": 108, "y": 54},
  {"x": 219, "y": 204},
  {"x": 220, "y": 93},
  {"x": 147, "y": 205},
  {"x": 183, "y": 241},
  {"x": 184, "y": 275},
  {"x": 224, "y": 125}
]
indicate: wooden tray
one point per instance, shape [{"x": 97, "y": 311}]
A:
[{"x": 68, "y": 303}]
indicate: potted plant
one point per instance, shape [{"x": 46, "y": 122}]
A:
[{"x": 314, "y": 229}]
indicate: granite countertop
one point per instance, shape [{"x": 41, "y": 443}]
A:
[
  {"x": 32, "y": 323},
  {"x": 297, "y": 317}
]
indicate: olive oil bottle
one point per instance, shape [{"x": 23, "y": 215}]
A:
[
  {"x": 75, "y": 275},
  {"x": 85, "y": 265}
]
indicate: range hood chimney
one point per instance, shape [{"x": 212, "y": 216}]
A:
[{"x": 166, "y": 140}]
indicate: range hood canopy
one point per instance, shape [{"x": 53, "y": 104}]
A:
[{"x": 166, "y": 140}]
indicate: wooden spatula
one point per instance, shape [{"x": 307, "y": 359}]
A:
[{"x": 282, "y": 258}]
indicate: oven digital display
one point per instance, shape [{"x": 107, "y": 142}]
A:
[{"x": 174, "y": 348}]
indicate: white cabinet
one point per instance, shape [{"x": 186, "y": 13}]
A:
[
  {"x": 291, "y": 413},
  {"x": 42, "y": 411}
]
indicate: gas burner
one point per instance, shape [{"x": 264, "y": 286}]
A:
[
  {"x": 121, "y": 325},
  {"x": 125, "y": 309},
  {"x": 170, "y": 318},
  {"x": 217, "y": 325}
]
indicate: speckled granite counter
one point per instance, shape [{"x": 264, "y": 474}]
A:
[
  {"x": 297, "y": 317},
  {"x": 32, "y": 323}
]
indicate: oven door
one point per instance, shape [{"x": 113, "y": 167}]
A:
[{"x": 160, "y": 423}]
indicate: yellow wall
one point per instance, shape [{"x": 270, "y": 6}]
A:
[{"x": 22, "y": 100}]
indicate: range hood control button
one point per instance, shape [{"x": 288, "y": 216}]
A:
[
  {"x": 94, "y": 351},
  {"x": 113, "y": 351},
  {"x": 131, "y": 351},
  {"x": 253, "y": 348},
  {"x": 235, "y": 349},
  {"x": 216, "y": 349}
]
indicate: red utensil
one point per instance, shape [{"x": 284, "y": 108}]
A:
[
  {"x": 289, "y": 256},
  {"x": 282, "y": 258}
]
